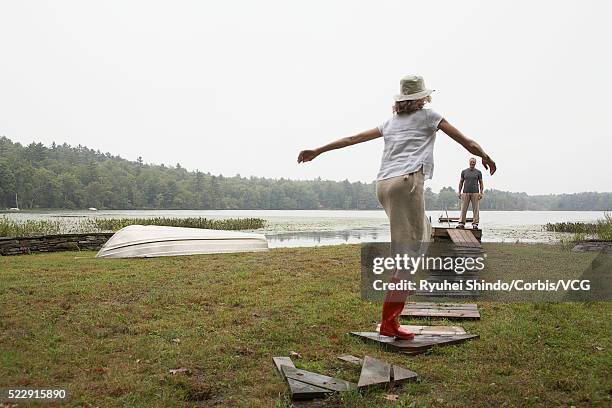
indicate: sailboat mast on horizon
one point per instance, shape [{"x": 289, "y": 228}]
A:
[{"x": 16, "y": 208}]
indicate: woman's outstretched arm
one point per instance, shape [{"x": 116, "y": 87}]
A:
[
  {"x": 308, "y": 155},
  {"x": 469, "y": 144}
]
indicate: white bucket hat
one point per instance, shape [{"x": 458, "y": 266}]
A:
[{"x": 412, "y": 87}]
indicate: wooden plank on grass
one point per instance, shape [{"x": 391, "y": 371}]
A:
[
  {"x": 434, "y": 305},
  {"x": 351, "y": 359},
  {"x": 282, "y": 361},
  {"x": 318, "y": 380},
  {"x": 420, "y": 343},
  {"x": 439, "y": 330},
  {"x": 437, "y": 309},
  {"x": 449, "y": 314},
  {"x": 374, "y": 372},
  {"x": 303, "y": 391},
  {"x": 448, "y": 310},
  {"x": 299, "y": 390},
  {"x": 400, "y": 375}
]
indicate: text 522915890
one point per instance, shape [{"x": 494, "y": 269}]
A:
[{"x": 9, "y": 394}]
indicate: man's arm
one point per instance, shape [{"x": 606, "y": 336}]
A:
[
  {"x": 469, "y": 144},
  {"x": 308, "y": 155},
  {"x": 460, "y": 185},
  {"x": 481, "y": 183}
]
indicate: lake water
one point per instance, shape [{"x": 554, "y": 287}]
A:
[{"x": 293, "y": 228}]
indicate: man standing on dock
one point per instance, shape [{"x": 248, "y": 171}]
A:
[{"x": 472, "y": 186}]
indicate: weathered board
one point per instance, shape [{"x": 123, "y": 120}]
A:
[
  {"x": 318, "y": 380},
  {"x": 420, "y": 343},
  {"x": 441, "y": 233},
  {"x": 299, "y": 390},
  {"x": 401, "y": 374},
  {"x": 281, "y": 361},
  {"x": 398, "y": 374},
  {"x": 351, "y": 359},
  {"x": 421, "y": 305},
  {"x": 374, "y": 372},
  {"x": 439, "y": 330},
  {"x": 463, "y": 237},
  {"x": 446, "y": 313},
  {"x": 446, "y": 310}
]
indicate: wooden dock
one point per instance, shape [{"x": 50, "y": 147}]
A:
[
  {"x": 442, "y": 219},
  {"x": 453, "y": 243},
  {"x": 447, "y": 234}
]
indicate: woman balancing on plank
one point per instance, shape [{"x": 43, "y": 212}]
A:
[{"x": 407, "y": 161}]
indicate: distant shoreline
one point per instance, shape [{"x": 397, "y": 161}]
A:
[
  {"x": 298, "y": 228},
  {"x": 62, "y": 176}
]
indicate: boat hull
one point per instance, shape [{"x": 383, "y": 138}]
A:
[{"x": 137, "y": 241}]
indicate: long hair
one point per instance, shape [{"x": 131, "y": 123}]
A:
[{"x": 403, "y": 107}]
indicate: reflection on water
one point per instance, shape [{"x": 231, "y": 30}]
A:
[{"x": 314, "y": 238}]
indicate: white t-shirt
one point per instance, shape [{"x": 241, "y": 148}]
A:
[{"x": 409, "y": 141}]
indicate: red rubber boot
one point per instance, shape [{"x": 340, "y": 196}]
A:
[{"x": 391, "y": 311}]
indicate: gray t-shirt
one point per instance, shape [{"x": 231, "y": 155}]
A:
[{"x": 470, "y": 180}]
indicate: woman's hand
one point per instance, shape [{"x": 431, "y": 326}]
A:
[
  {"x": 489, "y": 164},
  {"x": 469, "y": 144},
  {"x": 307, "y": 155}
]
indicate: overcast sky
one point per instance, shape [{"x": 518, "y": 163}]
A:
[{"x": 241, "y": 86}]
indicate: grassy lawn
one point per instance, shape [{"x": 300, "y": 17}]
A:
[{"x": 110, "y": 331}]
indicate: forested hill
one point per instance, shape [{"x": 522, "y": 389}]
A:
[{"x": 62, "y": 176}]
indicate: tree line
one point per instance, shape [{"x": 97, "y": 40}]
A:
[{"x": 69, "y": 177}]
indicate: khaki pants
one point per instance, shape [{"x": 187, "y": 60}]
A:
[
  {"x": 466, "y": 199},
  {"x": 403, "y": 200}
]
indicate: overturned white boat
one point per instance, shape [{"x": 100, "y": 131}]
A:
[{"x": 144, "y": 241}]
